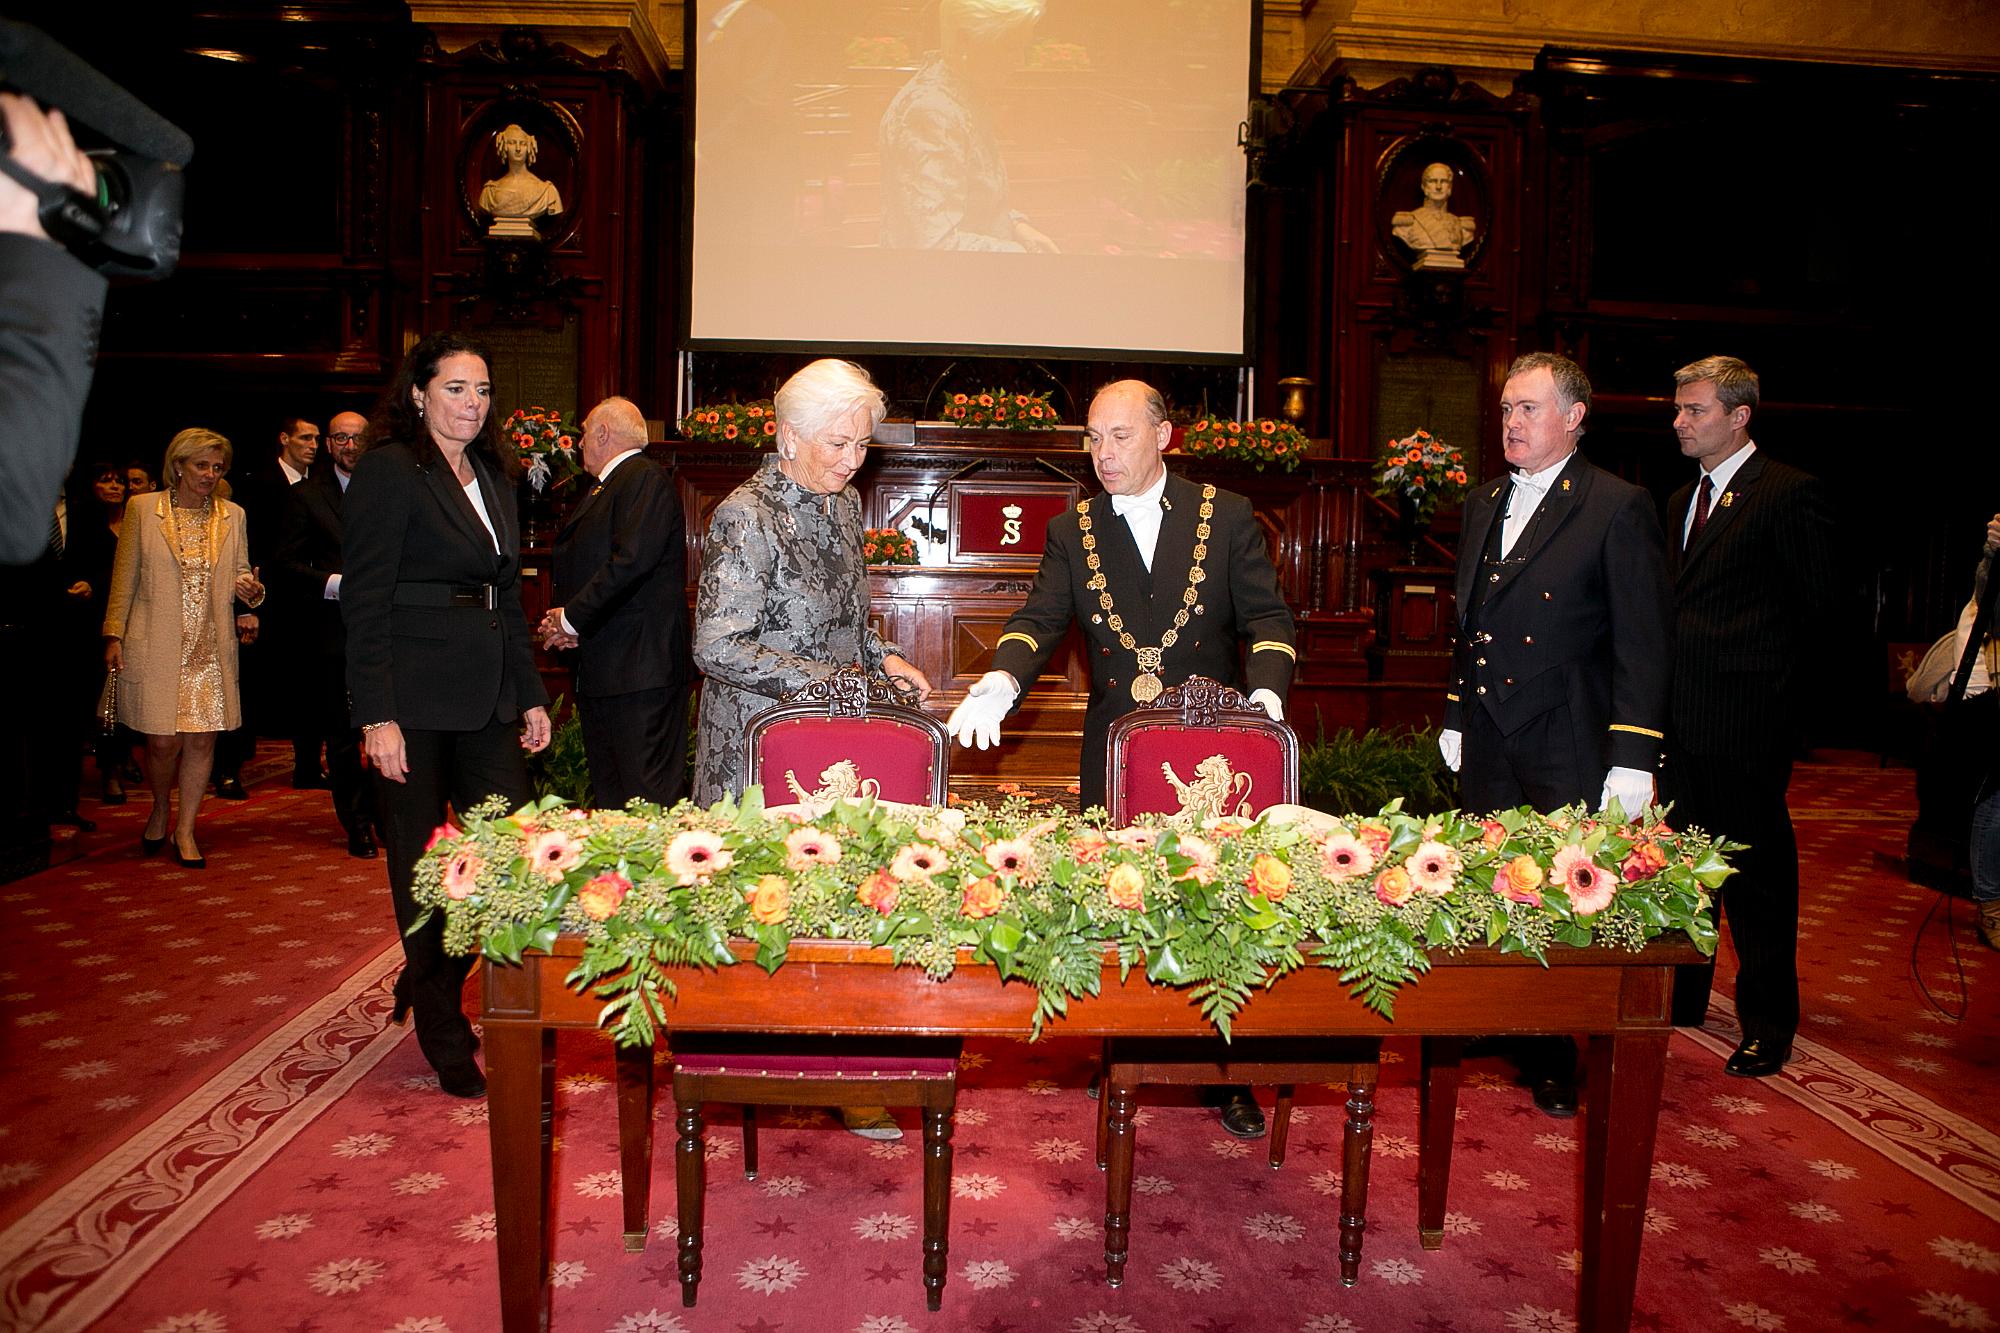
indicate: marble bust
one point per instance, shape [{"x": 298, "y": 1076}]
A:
[
  {"x": 515, "y": 199},
  {"x": 1437, "y": 234}
]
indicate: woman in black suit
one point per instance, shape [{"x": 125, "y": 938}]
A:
[{"x": 440, "y": 667}]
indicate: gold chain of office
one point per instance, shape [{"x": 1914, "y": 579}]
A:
[{"x": 1146, "y": 685}]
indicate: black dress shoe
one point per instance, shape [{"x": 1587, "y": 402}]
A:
[
  {"x": 230, "y": 789},
  {"x": 361, "y": 844},
  {"x": 190, "y": 862},
  {"x": 1758, "y": 1057},
  {"x": 304, "y": 780},
  {"x": 150, "y": 846},
  {"x": 71, "y": 819},
  {"x": 1241, "y": 1116},
  {"x": 1556, "y": 1097},
  {"x": 111, "y": 791},
  {"x": 462, "y": 1080}
]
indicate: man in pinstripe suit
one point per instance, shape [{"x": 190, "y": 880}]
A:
[{"x": 1752, "y": 561}]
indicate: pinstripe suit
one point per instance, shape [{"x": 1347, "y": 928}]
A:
[{"x": 1749, "y": 593}]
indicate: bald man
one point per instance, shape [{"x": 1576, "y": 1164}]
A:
[{"x": 621, "y": 594}]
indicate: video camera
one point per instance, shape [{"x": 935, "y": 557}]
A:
[{"x": 132, "y": 227}]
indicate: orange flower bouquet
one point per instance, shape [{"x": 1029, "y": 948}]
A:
[
  {"x": 1422, "y": 474},
  {"x": 1003, "y": 409},
  {"x": 754, "y": 425},
  {"x": 546, "y": 442},
  {"x": 886, "y": 546},
  {"x": 1261, "y": 443}
]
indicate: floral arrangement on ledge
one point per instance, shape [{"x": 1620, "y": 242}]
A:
[
  {"x": 752, "y": 424},
  {"x": 545, "y": 442},
  {"x": 886, "y": 546},
  {"x": 1041, "y": 897},
  {"x": 1003, "y": 409},
  {"x": 1422, "y": 474},
  {"x": 1260, "y": 443}
]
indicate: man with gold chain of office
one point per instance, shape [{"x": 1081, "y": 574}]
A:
[{"x": 1168, "y": 579}]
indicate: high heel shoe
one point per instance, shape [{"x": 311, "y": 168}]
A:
[
  {"x": 151, "y": 846},
  {"x": 401, "y": 1013},
  {"x": 111, "y": 791},
  {"x": 189, "y": 862}
]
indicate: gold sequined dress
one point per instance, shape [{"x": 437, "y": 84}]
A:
[{"x": 201, "y": 706}]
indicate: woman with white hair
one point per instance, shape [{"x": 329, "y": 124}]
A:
[{"x": 784, "y": 590}]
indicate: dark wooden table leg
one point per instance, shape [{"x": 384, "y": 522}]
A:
[
  {"x": 1357, "y": 1143},
  {"x": 635, "y": 1140},
  {"x": 1437, "y": 1119},
  {"x": 1622, "y": 1115},
  {"x": 937, "y": 1202},
  {"x": 520, "y": 1087},
  {"x": 1121, "y": 1099},
  {"x": 690, "y": 1180}
]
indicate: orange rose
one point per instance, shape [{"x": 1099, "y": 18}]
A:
[
  {"x": 1492, "y": 833},
  {"x": 1088, "y": 845},
  {"x": 1270, "y": 877},
  {"x": 1644, "y": 861},
  {"x": 1394, "y": 886},
  {"x": 600, "y": 897},
  {"x": 1520, "y": 880},
  {"x": 1125, "y": 887},
  {"x": 879, "y": 891},
  {"x": 983, "y": 898},
  {"x": 1375, "y": 838},
  {"x": 770, "y": 900}
]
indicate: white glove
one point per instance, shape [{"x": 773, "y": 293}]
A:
[
  {"x": 1632, "y": 787},
  {"x": 1448, "y": 746},
  {"x": 1273, "y": 706},
  {"x": 977, "y": 717}
]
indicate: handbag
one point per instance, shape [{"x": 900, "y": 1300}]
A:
[{"x": 107, "y": 704}]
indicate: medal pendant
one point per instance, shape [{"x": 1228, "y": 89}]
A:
[{"x": 1146, "y": 688}]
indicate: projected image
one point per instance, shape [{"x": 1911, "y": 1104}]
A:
[{"x": 1022, "y": 173}]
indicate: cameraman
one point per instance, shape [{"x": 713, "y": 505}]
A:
[{"x": 50, "y": 306}]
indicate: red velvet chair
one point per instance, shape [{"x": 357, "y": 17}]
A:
[
  {"x": 899, "y": 753},
  {"x": 1163, "y": 759}
]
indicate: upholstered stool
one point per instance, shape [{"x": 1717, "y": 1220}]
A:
[{"x": 812, "y": 1071}]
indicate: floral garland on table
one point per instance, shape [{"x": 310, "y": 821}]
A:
[
  {"x": 545, "y": 442},
  {"x": 1220, "y": 910},
  {"x": 1000, "y": 407},
  {"x": 1423, "y": 472},
  {"x": 1261, "y": 443},
  {"x": 752, "y": 424},
  {"x": 886, "y": 546}
]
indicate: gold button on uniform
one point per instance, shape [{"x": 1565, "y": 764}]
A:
[{"x": 1482, "y": 661}]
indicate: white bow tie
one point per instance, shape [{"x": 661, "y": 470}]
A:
[{"x": 1132, "y": 504}]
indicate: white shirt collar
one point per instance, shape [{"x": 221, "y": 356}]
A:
[
  {"x": 612, "y": 466},
  {"x": 1726, "y": 470},
  {"x": 292, "y": 475},
  {"x": 1541, "y": 481},
  {"x": 1150, "y": 497}
]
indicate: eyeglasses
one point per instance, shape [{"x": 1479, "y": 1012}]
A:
[{"x": 341, "y": 437}]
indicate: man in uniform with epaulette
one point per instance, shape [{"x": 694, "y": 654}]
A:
[
  {"x": 1168, "y": 579},
  {"x": 1559, "y": 681}
]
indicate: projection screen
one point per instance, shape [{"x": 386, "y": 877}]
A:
[{"x": 1008, "y": 176}]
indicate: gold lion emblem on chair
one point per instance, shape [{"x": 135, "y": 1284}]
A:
[
  {"x": 1216, "y": 790},
  {"x": 837, "y": 782}
]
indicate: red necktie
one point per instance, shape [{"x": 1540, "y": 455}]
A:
[{"x": 1701, "y": 509}]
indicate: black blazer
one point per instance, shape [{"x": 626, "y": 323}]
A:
[
  {"x": 1751, "y": 597},
  {"x": 1579, "y": 615},
  {"x": 423, "y": 648},
  {"x": 621, "y": 579},
  {"x": 307, "y": 553},
  {"x": 50, "y": 307}
]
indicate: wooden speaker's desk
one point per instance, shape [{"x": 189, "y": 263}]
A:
[{"x": 1619, "y": 999}]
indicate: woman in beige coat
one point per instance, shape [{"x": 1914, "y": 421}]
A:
[{"x": 183, "y": 559}]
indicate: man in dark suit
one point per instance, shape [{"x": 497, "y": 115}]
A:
[
  {"x": 1753, "y": 562},
  {"x": 307, "y": 568},
  {"x": 621, "y": 594},
  {"x": 1167, "y": 580},
  {"x": 1559, "y": 673}
]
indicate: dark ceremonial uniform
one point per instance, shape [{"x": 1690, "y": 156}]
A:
[
  {"x": 621, "y": 581},
  {"x": 1750, "y": 593},
  {"x": 307, "y": 555},
  {"x": 1560, "y": 671},
  {"x": 1233, "y": 603}
]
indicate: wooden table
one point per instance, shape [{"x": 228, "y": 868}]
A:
[{"x": 1620, "y": 1000}]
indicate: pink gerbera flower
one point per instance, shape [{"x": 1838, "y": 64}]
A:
[
  {"x": 1345, "y": 856},
  {"x": 1201, "y": 852},
  {"x": 808, "y": 847},
  {"x": 1434, "y": 867},
  {"x": 1010, "y": 856},
  {"x": 918, "y": 860},
  {"x": 1135, "y": 839},
  {"x": 695, "y": 855},
  {"x": 553, "y": 852},
  {"x": 1590, "y": 886},
  {"x": 461, "y": 875}
]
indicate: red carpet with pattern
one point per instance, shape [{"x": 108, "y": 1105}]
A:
[{"x": 206, "y": 1124}]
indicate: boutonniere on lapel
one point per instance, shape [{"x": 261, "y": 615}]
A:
[
  {"x": 1565, "y": 483},
  {"x": 1728, "y": 498}
]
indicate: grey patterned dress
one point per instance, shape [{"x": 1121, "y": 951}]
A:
[{"x": 783, "y": 602}]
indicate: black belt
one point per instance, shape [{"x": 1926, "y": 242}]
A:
[{"x": 483, "y": 596}]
